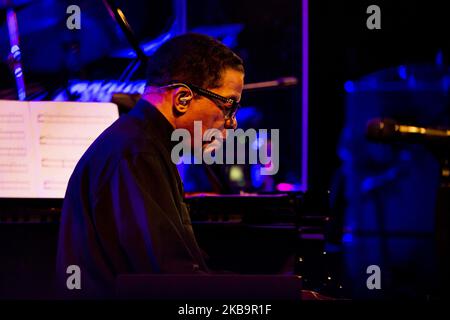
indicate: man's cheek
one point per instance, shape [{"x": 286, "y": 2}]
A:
[{"x": 209, "y": 124}]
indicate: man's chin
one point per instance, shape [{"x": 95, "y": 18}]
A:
[{"x": 208, "y": 147}]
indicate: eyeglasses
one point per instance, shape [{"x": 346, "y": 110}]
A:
[{"x": 229, "y": 111}]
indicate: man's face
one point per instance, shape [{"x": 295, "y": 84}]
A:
[{"x": 206, "y": 110}]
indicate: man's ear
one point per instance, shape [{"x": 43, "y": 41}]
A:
[{"x": 181, "y": 99}]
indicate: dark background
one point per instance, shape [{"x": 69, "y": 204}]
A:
[{"x": 341, "y": 48}]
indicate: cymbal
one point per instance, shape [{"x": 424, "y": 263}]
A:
[
  {"x": 5, "y": 4},
  {"x": 48, "y": 45},
  {"x": 226, "y": 33}
]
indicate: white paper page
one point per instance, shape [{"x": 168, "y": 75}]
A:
[
  {"x": 63, "y": 132},
  {"x": 17, "y": 155}
]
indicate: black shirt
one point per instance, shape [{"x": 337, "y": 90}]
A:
[{"x": 123, "y": 210}]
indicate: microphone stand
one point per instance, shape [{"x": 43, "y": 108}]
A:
[
  {"x": 443, "y": 227},
  {"x": 439, "y": 146},
  {"x": 15, "y": 54},
  {"x": 118, "y": 15}
]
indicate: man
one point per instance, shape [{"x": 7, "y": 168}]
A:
[{"x": 123, "y": 211}]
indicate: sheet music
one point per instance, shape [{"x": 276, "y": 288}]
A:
[
  {"x": 16, "y": 151},
  {"x": 50, "y": 138}
]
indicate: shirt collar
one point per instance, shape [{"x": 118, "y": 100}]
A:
[{"x": 159, "y": 127}]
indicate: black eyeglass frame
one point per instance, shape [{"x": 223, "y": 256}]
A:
[{"x": 228, "y": 112}]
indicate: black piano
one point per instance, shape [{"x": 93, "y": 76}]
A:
[{"x": 248, "y": 234}]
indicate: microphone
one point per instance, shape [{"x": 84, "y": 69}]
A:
[
  {"x": 280, "y": 82},
  {"x": 389, "y": 130}
]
